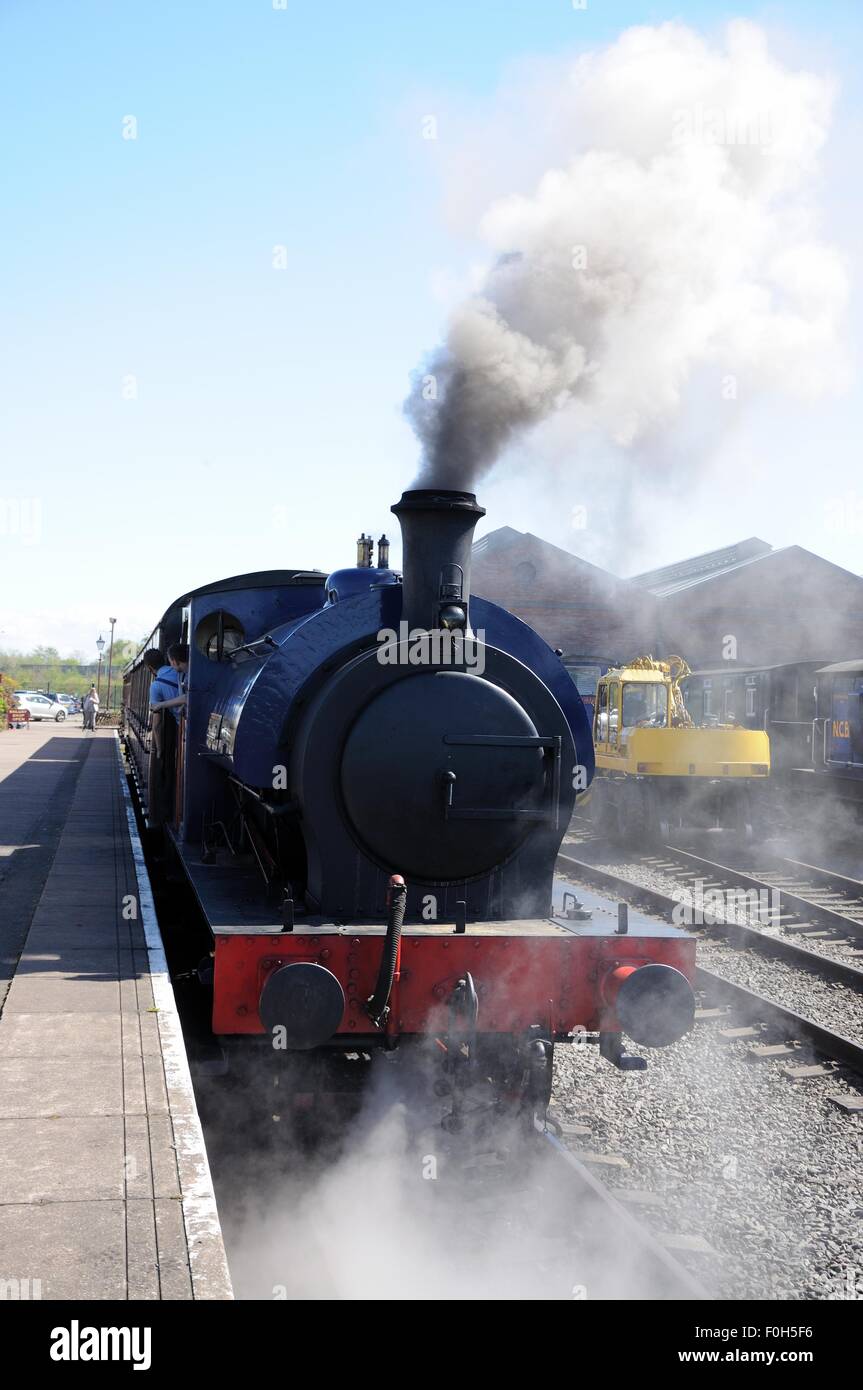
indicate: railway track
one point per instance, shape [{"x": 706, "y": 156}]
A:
[
  {"x": 810, "y": 898},
  {"x": 646, "y": 1266},
  {"x": 509, "y": 1216},
  {"x": 759, "y": 1011},
  {"x": 817, "y": 903},
  {"x": 835, "y": 899},
  {"x": 795, "y": 1027},
  {"x": 555, "y": 1229},
  {"x": 793, "y": 924}
]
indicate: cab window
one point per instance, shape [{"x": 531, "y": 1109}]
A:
[
  {"x": 613, "y": 711},
  {"x": 645, "y": 706}
]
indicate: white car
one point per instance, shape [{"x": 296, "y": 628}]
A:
[{"x": 41, "y": 706}]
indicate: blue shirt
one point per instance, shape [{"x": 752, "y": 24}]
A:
[
  {"x": 165, "y": 686},
  {"x": 183, "y": 683}
]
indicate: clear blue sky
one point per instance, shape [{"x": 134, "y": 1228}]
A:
[{"x": 267, "y": 428}]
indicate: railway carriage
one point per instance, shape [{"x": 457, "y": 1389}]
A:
[
  {"x": 827, "y": 759},
  {"x": 813, "y": 713}
]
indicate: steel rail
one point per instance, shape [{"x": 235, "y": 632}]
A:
[
  {"x": 756, "y": 1006},
  {"x": 648, "y": 1260},
  {"x": 666, "y": 906},
  {"x": 800, "y": 905}
]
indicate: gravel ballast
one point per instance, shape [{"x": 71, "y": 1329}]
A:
[
  {"x": 766, "y": 1170},
  {"x": 828, "y": 1002}
]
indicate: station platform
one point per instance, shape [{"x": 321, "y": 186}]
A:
[{"x": 105, "y": 1188}]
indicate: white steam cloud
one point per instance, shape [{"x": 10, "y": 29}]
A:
[{"x": 681, "y": 233}]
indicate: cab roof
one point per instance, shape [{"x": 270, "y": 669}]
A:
[{"x": 636, "y": 673}]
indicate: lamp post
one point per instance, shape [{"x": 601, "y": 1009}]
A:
[
  {"x": 100, "y": 647},
  {"x": 112, "y": 621}
]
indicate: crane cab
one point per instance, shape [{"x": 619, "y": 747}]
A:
[{"x": 655, "y": 770}]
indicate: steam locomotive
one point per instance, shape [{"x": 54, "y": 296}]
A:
[{"x": 372, "y": 781}]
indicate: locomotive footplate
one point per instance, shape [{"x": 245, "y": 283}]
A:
[
  {"x": 560, "y": 973},
  {"x": 564, "y": 977}
]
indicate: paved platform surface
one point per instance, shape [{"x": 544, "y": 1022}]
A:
[{"x": 105, "y": 1190}]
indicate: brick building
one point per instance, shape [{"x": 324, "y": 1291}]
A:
[
  {"x": 751, "y": 605},
  {"x": 575, "y": 605},
  {"x": 745, "y": 604}
]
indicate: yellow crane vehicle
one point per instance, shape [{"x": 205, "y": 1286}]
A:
[{"x": 656, "y": 772}]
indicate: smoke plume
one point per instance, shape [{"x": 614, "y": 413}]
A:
[{"x": 678, "y": 233}]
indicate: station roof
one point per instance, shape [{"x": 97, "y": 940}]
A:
[
  {"x": 669, "y": 579},
  {"x": 842, "y": 668},
  {"x": 497, "y": 540},
  {"x": 504, "y": 537},
  {"x": 729, "y": 670}
]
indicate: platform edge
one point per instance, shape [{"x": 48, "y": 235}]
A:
[{"x": 208, "y": 1264}]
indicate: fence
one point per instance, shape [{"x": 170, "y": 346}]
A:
[{"x": 67, "y": 677}]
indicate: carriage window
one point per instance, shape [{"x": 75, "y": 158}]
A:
[{"x": 586, "y": 678}]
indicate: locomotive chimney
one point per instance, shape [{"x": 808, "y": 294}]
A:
[{"x": 437, "y": 533}]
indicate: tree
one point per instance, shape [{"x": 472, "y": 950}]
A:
[
  {"x": 124, "y": 650},
  {"x": 7, "y": 688},
  {"x": 44, "y": 669}
]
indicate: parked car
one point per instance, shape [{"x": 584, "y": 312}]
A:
[
  {"x": 41, "y": 706},
  {"x": 72, "y": 702}
]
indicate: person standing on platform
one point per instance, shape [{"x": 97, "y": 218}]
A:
[{"x": 91, "y": 707}]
